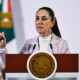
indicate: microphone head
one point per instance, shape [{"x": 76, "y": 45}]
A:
[
  {"x": 51, "y": 46},
  {"x": 34, "y": 46}
]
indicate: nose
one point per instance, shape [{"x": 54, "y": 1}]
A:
[{"x": 40, "y": 22}]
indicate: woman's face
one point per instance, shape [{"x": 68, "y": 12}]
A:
[{"x": 43, "y": 23}]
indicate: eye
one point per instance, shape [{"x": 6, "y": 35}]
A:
[
  {"x": 44, "y": 19},
  {"x": 37, "y": 18}
]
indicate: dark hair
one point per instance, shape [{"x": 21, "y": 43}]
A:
[
  {"x": 50, "y": 11},
  {"x": 55, "y": 28}
]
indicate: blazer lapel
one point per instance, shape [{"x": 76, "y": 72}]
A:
[
  {"x": 54, "y": 42},
  {"x": 35, "y": 42}
]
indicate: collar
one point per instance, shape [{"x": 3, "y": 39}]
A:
[
  {"x": 54, "y": 39},
  {"x": 45, "y": 38}
]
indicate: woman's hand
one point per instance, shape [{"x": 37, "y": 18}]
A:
[{"x": 2, "y": 40}]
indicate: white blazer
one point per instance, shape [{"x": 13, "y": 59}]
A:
[{"x": 59, "y": 46}]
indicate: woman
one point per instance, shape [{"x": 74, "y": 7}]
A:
[{"x": 45, "y": 21}]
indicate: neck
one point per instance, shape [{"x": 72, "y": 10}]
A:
[{"x": 44, "y": 34}]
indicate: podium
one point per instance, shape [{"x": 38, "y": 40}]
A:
[{"x": 67, "y": 65}]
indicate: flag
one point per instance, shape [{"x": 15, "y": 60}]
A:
[
  {"x": 9, "y": 32},
  {"x": 1, "y": 4}
]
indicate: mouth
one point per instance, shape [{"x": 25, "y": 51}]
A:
[{"x": 39, "y": 27}]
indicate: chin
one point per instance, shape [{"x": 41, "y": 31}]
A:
[{"x": 39, "y": 31}]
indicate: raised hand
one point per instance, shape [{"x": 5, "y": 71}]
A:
[{"x": 2, "y": 40}]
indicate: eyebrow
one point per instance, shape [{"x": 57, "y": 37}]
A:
[{"x": 42, "y": 16}]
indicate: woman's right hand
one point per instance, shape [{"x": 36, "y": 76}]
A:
[{"x": 2, "y": 40}]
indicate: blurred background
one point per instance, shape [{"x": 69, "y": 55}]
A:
[{"x": 17, "y": 21}]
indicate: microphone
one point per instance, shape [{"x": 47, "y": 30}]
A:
[
  {"x": 33, "y": 48},
  {"x": 51, "y": 48}
]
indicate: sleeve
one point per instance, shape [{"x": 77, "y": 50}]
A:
[
  {"x": 2, "y": 64},
  {"x": 25, "y": 48},
  {"x": 3, "y": 50},
  {"x": 65, "y": 47}
]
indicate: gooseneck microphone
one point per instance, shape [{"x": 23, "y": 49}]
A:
[
  {"x": 51, "y": 48},
  {"x": 33, "y": 48}
]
